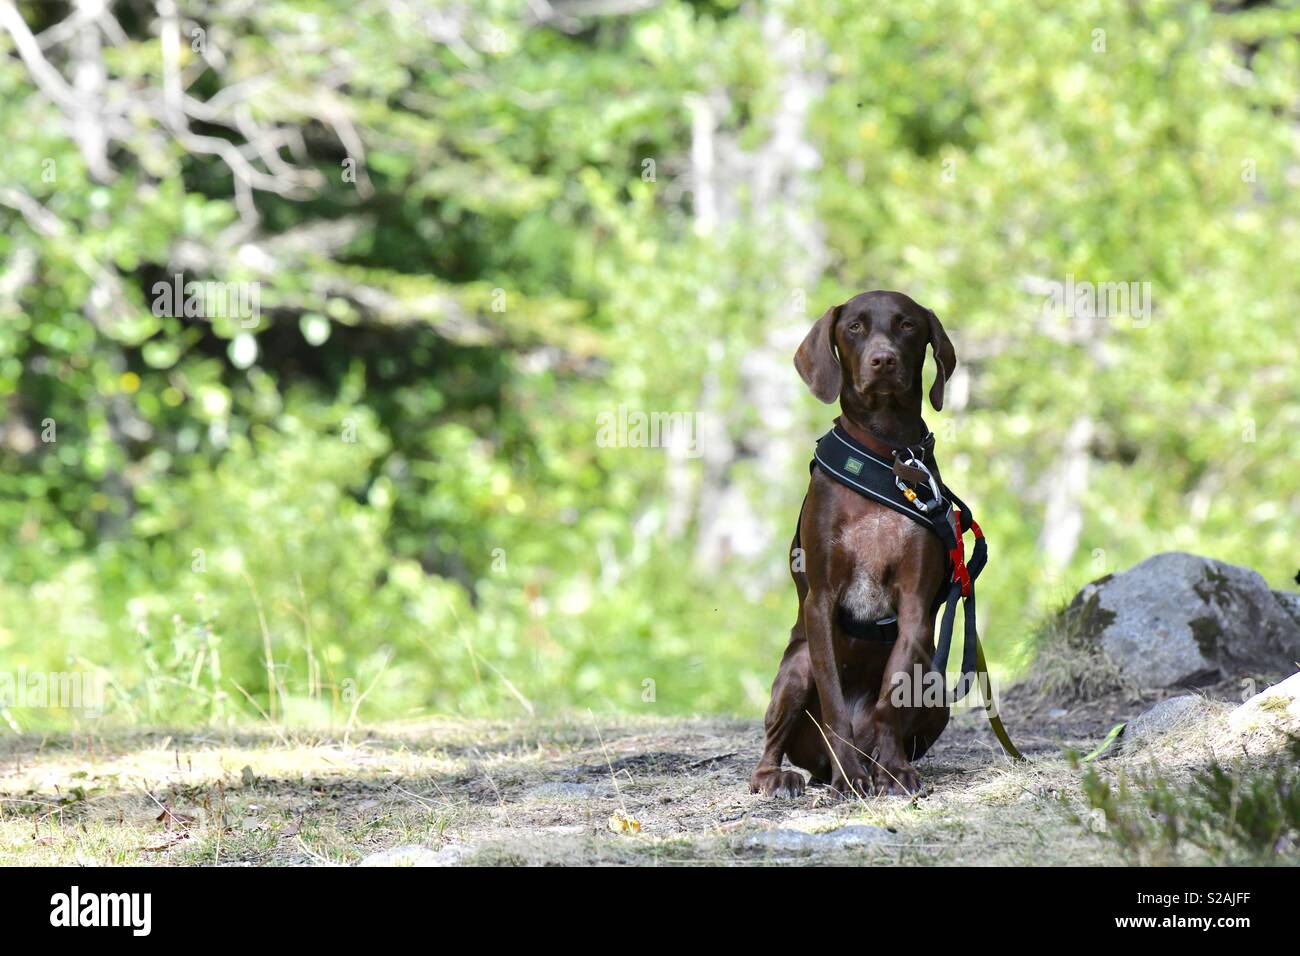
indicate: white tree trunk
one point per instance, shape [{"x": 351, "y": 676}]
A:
[{"x": 738, "y": 518}]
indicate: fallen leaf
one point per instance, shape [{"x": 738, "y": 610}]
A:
[
  {"x": 170, "y": 816},
  {"x": 622, "y": 823}
]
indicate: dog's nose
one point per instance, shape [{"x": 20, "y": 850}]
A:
[{"x": 883, "y": 361}]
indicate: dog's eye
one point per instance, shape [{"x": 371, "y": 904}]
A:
[
  {"x": 855, "y": 327},
  {"x": 907, "y": 325}
]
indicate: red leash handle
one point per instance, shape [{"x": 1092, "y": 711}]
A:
[{"x": 960, "y": 575}]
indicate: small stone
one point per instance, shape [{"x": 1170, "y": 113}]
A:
[
  {"x": 797, "y": 841},
  {"x": 789, "y": 841},
  {"x": 1166, "y": 716},
  {"x": 559, "y": 790},
  {"x": 566, "y": 829},
  {"x": 856, "y": 835},
  {"x": 417, "y": 855}
]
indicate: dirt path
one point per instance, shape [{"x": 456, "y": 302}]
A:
[{"x": 525, "y": 793}]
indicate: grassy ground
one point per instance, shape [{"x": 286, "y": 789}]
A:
[
  {"x": 587, "y": 790},
  {"x": 521, "y": 793},
  {"x": 1207, "y": 783}
]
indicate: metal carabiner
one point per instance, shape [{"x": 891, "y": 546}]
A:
[{"x": 922, "y": 506}]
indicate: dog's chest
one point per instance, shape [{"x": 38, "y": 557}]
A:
[
  {"x": 867, "y": 599},
  {"x": 866, "y": 546}
]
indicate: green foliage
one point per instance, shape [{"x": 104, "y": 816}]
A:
[
  {"x": 1222, "y": 815},
  {"x": 501, "y": 270}
]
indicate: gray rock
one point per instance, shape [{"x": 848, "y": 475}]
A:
[
  {"x": 797, "y": 841},
  {"x": 1178, "y": 620},
  {"x": 1290, "y": 602},
  {"x": 417, "y": 855},
  {"x": 1276, "y": 709}
]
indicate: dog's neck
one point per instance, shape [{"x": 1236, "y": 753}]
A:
[{"x": 893, "y": 420}]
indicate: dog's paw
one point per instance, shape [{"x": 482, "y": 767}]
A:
[
  {"x": 901, "y": 780},
  {"x": 855, "y": 786},
  {"x": 777, "y": 783}
]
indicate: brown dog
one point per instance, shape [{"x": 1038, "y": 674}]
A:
[{"x": 861, "y": 562}]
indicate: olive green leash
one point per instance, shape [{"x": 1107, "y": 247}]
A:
[{"x": 990, "y": 704}]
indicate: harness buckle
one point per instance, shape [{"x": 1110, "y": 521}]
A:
[{"x": 917, "y": 464}]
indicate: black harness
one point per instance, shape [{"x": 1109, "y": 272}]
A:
[{"x": 908, "y": 485}]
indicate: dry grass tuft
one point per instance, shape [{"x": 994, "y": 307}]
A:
[{"x": 1068, "y": 667}]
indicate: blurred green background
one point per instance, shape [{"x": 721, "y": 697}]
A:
[{"x": 474, "y": 229}]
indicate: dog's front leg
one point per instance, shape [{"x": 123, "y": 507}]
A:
[
  {"x": 902, "y": 703},
  {"x": 848, "y": 775}
]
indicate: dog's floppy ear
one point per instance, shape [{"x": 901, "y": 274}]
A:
[
  {"x": 816, "y": 360},
  {"x": 945, "y": 356}
]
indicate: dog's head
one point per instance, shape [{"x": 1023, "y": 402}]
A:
[{"x": 874, "y": 346}]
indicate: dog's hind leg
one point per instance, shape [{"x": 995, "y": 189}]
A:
[{"x": 793, "y": 693}]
